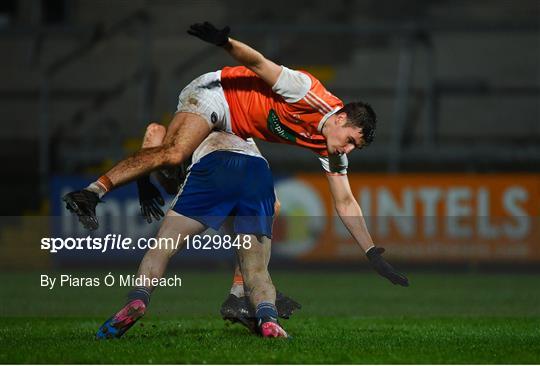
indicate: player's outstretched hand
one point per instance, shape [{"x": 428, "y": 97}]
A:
[
  {"x": 384, "y": 268},
  {"x": 150, "y": 199},
  {"x": 208, "y": 33}
]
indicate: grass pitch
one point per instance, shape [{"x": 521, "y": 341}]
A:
[{"x": 347, "y": 318}]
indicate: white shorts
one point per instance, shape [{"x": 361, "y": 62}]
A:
[{"x": 204, "y": 96}]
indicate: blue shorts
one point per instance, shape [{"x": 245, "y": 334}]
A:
[{"x": 225, "y": 183}]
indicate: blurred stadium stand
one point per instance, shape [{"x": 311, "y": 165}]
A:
[{"x": 456, "y": 84}]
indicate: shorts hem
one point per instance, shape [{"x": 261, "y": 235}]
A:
[
  {"x": 199, "y": 219},
  {"x": 255, "y": 233}
]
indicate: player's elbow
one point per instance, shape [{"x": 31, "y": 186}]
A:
[{"x": 255, "y": 60}]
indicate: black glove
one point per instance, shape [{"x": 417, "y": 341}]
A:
[
  {"x": 384, "y": 268},
  {"x": 150, "y": 199},
  {"x": 207, "y": 32}
]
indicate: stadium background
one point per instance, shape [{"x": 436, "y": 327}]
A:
[{"x": 451, "y": 185}]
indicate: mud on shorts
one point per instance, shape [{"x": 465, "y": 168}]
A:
[
  {"x": 204, "y": 96},
  {"x": 226, "y": 183}
]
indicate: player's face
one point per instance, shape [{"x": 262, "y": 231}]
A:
[{"x": 342, "y": 139}]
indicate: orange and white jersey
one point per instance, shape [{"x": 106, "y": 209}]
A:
[{"x": 293, "y": 111}]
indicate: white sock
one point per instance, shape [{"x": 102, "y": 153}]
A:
[
  {"x": 97, "y": 189},
  {"x": 237, "y": 289}
]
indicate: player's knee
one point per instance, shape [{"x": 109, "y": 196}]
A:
[
  {"x": 155, "y": 129},
  {"x": 154, "y": 135}
]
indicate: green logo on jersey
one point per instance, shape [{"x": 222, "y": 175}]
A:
[{"x": 277, "y": 128}]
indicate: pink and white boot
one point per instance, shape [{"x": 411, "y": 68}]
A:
[
  {"x": 119, "y": 323},
  {"x": 272, "y": 330}
]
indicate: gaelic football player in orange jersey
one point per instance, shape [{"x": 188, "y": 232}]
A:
[{"x": 261, "y": 100}]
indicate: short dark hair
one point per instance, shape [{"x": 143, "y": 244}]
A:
[{"x": 361, "y": 115}]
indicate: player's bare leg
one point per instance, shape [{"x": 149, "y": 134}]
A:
[
  {"x": 255, "y": 271},
  {"x": 154, "y": 262},
  {"x": 237, "y": 307},
  {"x": 237, "y": 287},
  {"x": 152, "y": 266},
  {"x": 262, "y": 292},
  {"x": 185, "y": 133},
  {"x": 150, "y": 198},
  {"x": 156, "y": 135}
]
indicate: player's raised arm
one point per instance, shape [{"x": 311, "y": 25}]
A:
[
  {"x": 241, "y": 52},
  {"x": 351, "y": 215}
]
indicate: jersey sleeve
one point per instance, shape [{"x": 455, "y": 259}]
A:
[
  {"x": 292, "y": 85},
  {"x": 334, "y": 164}
]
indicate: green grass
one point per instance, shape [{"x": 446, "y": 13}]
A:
[{"x": 347, "y": 318}]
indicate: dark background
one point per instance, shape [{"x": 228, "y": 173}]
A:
[
  {"x": 456, "y": 87},
  {"x": 455, "y": 83}
]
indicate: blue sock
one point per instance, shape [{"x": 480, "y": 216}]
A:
[
  {"x": 140, "y": 293},
  {"x": 266, "y": 312}
]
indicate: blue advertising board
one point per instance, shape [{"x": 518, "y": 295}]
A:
[{"x": 119, "y": 215}]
